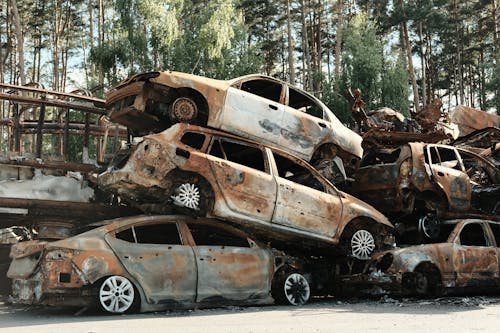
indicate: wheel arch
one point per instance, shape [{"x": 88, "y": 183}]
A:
[{"x": 198, "y": 98}]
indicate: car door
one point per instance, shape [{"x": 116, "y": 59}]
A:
[
  {"x": 242, "y": 173},
  {"x": 253, "y": 109},
  {"x": 495, "y": 228},
  {"x": 446, "y": 168},
  {"x": 475, "y": 259},
  {"x": 304, "y": 126},
  {"x": 304, "y": 201},
  {"x": 155, "y": 257},
  {"x": 230, "y": 267}
]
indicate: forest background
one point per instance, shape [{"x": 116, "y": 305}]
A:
[{"x": 401, "y": 53}]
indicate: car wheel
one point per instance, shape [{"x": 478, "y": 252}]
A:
[
  {"x": 187, "y": 195},
  {"x": 429, "y": 225},
  {"x": 421, "y": 284},
  {"x": 362, "y": 244},
  {"x": 291, "y": 288},
  {"x": 117, "y": 295},
  {"x": 193, "y": 193},
  {"x": 183, "y": 110}
]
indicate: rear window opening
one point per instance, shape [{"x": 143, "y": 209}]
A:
[
  {"x": 205, "y": 235},
  {"x": 242, "y": 154},
  {"x": 263, "y": 88},
  {"x": 151, "y": 234}
]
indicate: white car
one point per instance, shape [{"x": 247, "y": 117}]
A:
[{"x": 256, "y": 107}]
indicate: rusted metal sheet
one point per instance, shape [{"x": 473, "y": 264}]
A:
[
  {"x": 152, "y": 102},
  {"x": 470, "y": 120},
  {"x": 164, "y": 170}
]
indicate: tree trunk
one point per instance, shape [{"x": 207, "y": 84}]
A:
[
  {"x": 291, "y": 66},
  {"x": 305, "y": 46},
  {"x": 494, "y": 20},
  {"x": 338, "y": 40},
  {"x": 411, "y": 71},
  {"x": 422, "y": 60},
  {"x": 101, "y": 39},
  {"x": 19, "y": 40}
]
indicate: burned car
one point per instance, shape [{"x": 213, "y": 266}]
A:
[
  {"x": 418, "y": 184},
  {"x": 464, "y": 258},
  {"x": 256, "y": 107},
  {"x": 149, "y": 263},
  {"x": 211, "y": 173}
]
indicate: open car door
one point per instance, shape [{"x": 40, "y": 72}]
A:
[{"x": 444, "y": 165}]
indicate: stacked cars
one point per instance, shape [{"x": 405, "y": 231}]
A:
[{"x": 252, "y": 164}]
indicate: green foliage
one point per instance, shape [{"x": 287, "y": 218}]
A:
[
  {"x": 363, "y": 59},
  {"x": 395, "y": 88}
]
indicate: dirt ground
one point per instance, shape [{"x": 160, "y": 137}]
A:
[{"x": 450, "y": 314}]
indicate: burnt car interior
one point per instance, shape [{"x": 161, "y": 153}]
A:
[
  {"x": 473, "y": 234},
  {"x": 263, "y": 88},
  {"x": 193, "y": 140},
  {"x": 296, "y": 173},
  {"x": 164, "y": 233},
  {"x": 304, "y": 103},
  {"x": 238, "y": 153},
  {"x": 444, "y": 157},
  {"x": 208, "y": 235}
]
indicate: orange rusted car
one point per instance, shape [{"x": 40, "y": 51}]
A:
[
  {"x": 148, "y": 263},
  {"x": 425, "y": 183},
  {"x": 255, "y": 106},
  {"x": 212, "y": 173},
  {"x": 464, "y": 257}
]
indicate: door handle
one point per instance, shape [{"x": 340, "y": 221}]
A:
[{"x": 274, "y": 107}]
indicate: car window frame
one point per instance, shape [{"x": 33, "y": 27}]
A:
[
  {"x": 237, "y": 84},
  {"x": 437, "y": 147},
  {"x": 190, "y": 130},
  {"x": 486, "y": 232},
  {"x": 112, "y": 233},
  {"x": 316, "y": 101},
  {"x": 214, "y": 138},
  {"x": 329, "y": 187},
  {"x": 252, "y": 244}
]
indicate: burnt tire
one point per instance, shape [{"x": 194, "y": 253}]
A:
[
  {"x": 183, "y": 109},
  {"x": 427, "y": 282},
  {"x": 291, "y": 288},
  {"x": 117, "y": 295}
]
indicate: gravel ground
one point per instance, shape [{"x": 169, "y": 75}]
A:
[{"x": 447, "y": 314}]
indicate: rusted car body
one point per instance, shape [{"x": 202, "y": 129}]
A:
[
  {"x": 256, "y": 107},
  {"x": 427, "y": 180},
  {"x": 212, "y": 173},
  {"x": 151, "y": 263},
  {"x": 465, "y": 258},
  {"x": 469, "y": 119}
]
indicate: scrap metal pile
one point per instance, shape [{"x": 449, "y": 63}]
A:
[{"x": 265, "y": 195}]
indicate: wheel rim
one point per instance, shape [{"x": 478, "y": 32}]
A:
[
  {"x": 184, "y": 109},
  {"x": 430, "y": 226},
  {"x": 188, "y": 195},
  {"x": 296, "y": 289},
  {"x": 116, "y": 294},
  {"x": 362, "y": 244}
]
